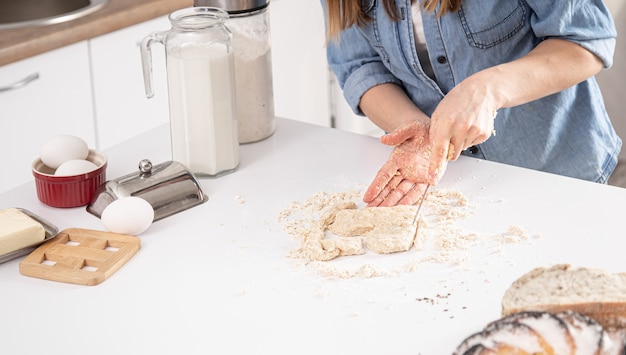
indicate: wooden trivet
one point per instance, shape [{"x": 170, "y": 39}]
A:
[{"x": 80, "y": 256}]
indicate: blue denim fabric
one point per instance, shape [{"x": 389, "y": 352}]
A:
[{"x": 568, "y": 133}]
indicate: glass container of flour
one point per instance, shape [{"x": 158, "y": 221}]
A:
[
  {"x": 201, "y": 88},
  {"x": 249, "y": 23}
]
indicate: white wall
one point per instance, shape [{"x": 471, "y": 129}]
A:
[
  {"x": 612, "y": 81},
  {"x": 343, "y": 116},
  {"x": 301, "y": 81},
  {"x": 304, "y": 87}
]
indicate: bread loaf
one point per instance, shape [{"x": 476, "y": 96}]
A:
[
  {"x": 18, "y": 230},
  {"x": 565, "y": 333},
  {"x": 595, "y": 293},
  {"x": 505, "y": 338},
  {"x": 557, "y": 310}
]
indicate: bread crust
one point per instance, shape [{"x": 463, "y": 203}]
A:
[
  {"x": 595, "y": 293},
  {"x": 610, "y": 315}
]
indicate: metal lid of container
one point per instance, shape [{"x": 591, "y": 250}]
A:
[
  {"x": 234, "y": 6},
  {"x": 169, "y": 187}
]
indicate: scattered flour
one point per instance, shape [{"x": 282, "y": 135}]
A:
[{"x": 438, "y": 240}]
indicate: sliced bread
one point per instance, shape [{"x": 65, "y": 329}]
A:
[
  {"x": 505, "y": 338},
  {"x": 595, "y": 293},
  {"x": 566, "y": 333}
]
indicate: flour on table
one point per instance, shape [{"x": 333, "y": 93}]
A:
[{"x": 332, "y": 226}]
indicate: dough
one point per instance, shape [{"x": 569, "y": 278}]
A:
[
  {"x": 332, "y": 224},
  {"x": 386, "y": 229},
  {"x": 315, "y": 246},
  {"x": 327, "y": 249},
  {"x": 382, "y": 230}
]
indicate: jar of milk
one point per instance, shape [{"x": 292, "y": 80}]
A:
[
  {"x": 249, "y": 23},
  {"x": 201, "y": 88}
]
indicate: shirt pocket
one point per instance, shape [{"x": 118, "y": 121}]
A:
[{"x": 486, "y": 27}]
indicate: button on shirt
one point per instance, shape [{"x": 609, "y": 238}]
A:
[{"x": 568, "y": 133}]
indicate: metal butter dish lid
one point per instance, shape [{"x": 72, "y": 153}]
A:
[{"x": 169, "y": 187}]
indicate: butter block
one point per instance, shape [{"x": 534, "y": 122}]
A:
[{"x": 18, "y": 230}]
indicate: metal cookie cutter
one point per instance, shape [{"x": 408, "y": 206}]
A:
[{"x": 169, "y": 187}]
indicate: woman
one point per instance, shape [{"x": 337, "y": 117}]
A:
[{"x": 444, "y": 76}]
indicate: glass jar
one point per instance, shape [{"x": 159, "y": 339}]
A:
[
  {"x": 249, "y": 23},
  {"x": 201, "y": 88}
]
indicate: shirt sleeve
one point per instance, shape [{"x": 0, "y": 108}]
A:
[{"x": 586, "y": 22}]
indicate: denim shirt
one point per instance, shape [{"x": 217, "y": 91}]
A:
[{"x": 568, "y": 133}]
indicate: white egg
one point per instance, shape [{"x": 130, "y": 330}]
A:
[
  {"x": 128, "y": 215},
  {"x": 75, "y": 167},
  {"x": 61, "y": 148}
]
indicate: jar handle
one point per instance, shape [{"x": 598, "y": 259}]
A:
[{"x": 146, "y": 59}]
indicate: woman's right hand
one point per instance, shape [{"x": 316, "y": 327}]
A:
[{"x": 465, "y": 117}]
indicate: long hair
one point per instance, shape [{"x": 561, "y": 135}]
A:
[{"x": 347, "y": 13}]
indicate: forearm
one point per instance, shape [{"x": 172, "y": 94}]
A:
[
  {"x": 388, "y": 107},
  {"x": 552, "y": 66}
]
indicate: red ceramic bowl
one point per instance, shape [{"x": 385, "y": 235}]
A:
[{"x": 69, "y": 191}]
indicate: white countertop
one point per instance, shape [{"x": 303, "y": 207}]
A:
[{"x": 215, "y": 279}]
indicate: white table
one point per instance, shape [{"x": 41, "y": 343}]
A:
[{"x": 215, "y": 279}]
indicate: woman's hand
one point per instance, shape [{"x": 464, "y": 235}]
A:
[
  {"x": 404, "y": 176},
  {"x": 465, "y": 117}
]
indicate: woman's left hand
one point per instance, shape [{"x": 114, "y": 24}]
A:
[{"x": 403, "y": 178}]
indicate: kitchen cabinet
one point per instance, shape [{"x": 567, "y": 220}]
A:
[
  {"x": 58, "y": 101},
  {"x": 121, "y": 108}
]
